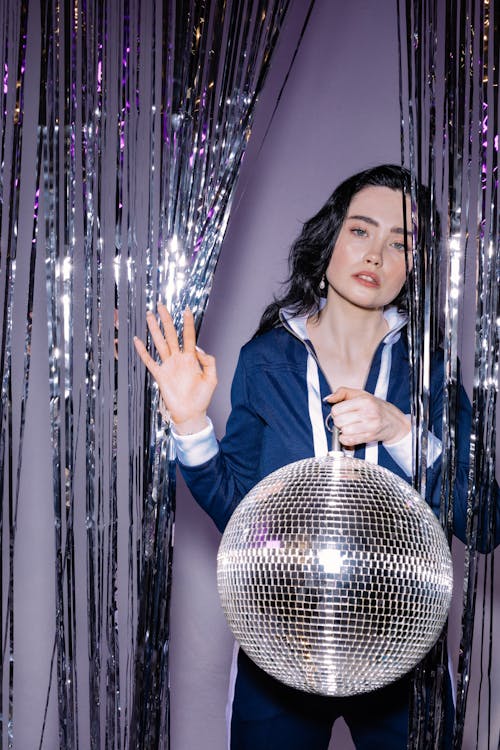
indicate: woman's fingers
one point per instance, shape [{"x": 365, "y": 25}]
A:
[
  {"x": 207, "y": 362},
  {"x": 146, "y": 358},
  {"x": 343, "y": 394},
  {"x": 167, "y": 342},
  {"x": 353, "y": 405},
  {"x": 350, "y": 419},
  {"x": 189, "y": 333},
  {"x": 157, "y": 336},
  {"x": 362, "y": 417},
  {"x": 355, "y": 413},
  {"x": 169, "y": 329},
  {"x": 357, "y": 438},
  {"x": 353, "y": 428}
]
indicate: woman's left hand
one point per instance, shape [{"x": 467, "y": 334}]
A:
[{"x": 363, "y": 418}]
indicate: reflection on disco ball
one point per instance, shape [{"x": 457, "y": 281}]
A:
[{"x": 334, "y": 575}]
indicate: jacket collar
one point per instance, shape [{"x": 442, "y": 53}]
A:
[{"x": 297, "y": 324}]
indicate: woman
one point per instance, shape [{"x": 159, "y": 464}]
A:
[{"x": 335, "y": 341}]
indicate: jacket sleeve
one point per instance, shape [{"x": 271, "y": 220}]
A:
[
  {"x": 460, "y": 491},
  {"x": 219, "y": 484}
]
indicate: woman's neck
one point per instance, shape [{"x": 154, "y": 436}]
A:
[
  {"x": 350, "y": 329},
  {"x": 345, "y": 341}
]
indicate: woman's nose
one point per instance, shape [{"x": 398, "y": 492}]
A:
[{"x": 374, "y": 256}]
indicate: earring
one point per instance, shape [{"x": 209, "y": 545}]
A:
[{"x": 322, "y": 283}]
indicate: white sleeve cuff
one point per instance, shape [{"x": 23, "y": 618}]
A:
[
  {"x": 197, "y": 449},
  {"x": 401, "y": 452}
]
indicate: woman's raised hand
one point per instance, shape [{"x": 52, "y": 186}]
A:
[
  {"x": 186, "y": 377},
  {"x": 363, "y": 418}
]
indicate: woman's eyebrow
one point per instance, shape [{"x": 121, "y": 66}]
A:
[
  {"x": 368, "y": 219},
  {"x": 373, "y": 222}
]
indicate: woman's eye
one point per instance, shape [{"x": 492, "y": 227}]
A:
[
  {"x": 359, "y": 232},
  {"x": 399, "y": 246}
]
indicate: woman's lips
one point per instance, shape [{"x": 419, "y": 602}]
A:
[{"x": 367, "y": 279}]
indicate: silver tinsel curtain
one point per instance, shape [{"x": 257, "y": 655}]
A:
[
  {"x": 123, "y": 127},
  {"x": 450, "y": 100}
]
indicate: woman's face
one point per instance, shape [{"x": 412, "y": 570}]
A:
[{"x": 368, "y": 266}]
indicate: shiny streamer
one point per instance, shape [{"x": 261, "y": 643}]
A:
[
  {"x": 449, "y": 61},
  {"x": 139, "y": 120},
  {"x": 14, "y": 64},
  {"x": 54, "y": 127},
  {"x": 213, "y": 68}
]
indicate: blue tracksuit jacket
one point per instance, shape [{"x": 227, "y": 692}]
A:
[{"x": 278, "y": 417}]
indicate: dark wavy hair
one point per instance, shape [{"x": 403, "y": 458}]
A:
[{"x": 311, "y": 252}]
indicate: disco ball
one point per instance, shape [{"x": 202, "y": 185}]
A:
[{"x": 334, "y": 575}]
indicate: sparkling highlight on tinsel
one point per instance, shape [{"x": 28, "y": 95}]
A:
[{"x": 449, "y": 63}]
